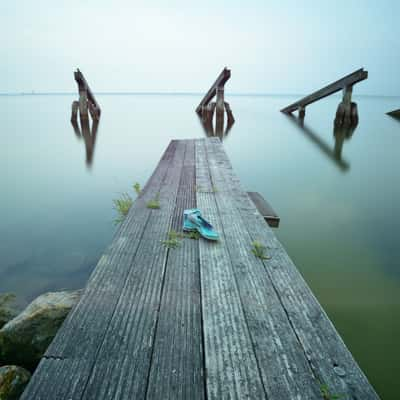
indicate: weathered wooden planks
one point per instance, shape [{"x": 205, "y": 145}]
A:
[
  {"x": 331, "y": 362},
  {"x": 202, "y": 321},
  {"x": 177, "y": 362},
  {"x": 70, "y": 360}
]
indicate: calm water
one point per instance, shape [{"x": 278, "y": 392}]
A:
[{"x": 338, "y": 198}]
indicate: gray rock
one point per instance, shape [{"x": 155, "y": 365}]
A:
[
  {"x": 24, "y": 339},
  {"x": 12, "y": 382}
]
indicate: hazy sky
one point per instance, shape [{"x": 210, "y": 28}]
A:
[{"x": 281, "y": 46}]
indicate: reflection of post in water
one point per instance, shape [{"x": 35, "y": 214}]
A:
[
  {"x": 86, "y": 105},
  {"x": 341, "y": 133},
  {"x": 334, "y": 154},
  {"x": 206, "y": 108},
  {"x": 207, "y": 121}
]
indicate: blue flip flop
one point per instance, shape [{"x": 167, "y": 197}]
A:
[
  {"x": 202, "y": 226},
  {"x": 189, "y": 226}
]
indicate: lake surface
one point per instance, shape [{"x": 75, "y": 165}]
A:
[{"x": 338, "y": 198}]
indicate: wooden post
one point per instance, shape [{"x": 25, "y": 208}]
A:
[
  {"x": 74, "y": 118},
  {"x": 209, "y": 120},
  {"x": 347, "y": 92},
  {"x": 302, "y": 112},
  {"x": 83, "y": 111},
  {"x": 347, "y": 113},
  {"x": 219, "y": 114}
]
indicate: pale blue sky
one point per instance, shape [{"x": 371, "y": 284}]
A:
[{"x": 281, "y": 46}]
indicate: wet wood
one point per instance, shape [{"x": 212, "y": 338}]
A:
[
  {"x": 204, "y": 320},
  {"x": 347, "y": 81}
]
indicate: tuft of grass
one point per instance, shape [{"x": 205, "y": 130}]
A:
[
  {"x": 122, "y": 205},
  {"x": 258, "y": 250},
  {"x": 192, "y": 235},
  {"x": 200, "y": 189},
  {"x": 327, "y": 395},
  {"x": 172, "y": 242},
  {"x": 155, "y": 203},
  {"x": 137, "y": 188},
  {"x": 174, "y": 237}
]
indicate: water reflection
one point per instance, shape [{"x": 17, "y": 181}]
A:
[
  {"x": 340, "y": 133},
  {"x": 215, "y": 126},
  {"x": 85, "y": 131}
]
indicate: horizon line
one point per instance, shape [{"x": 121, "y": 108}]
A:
[{"x": 166, "y": 93}]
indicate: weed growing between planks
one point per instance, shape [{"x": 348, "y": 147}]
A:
[
  {"x": 122, "y": 206},
  {"x": 327, "y": 395},
  {"x": 258, "y": 250},
  {"x": 155, "y": 203}
]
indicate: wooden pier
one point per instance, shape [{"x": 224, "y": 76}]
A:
[{"x": 204, "y": 320}]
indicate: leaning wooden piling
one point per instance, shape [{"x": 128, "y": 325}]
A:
[
  {"x": 87, "y": 105},
  {"x": 223, "y": 77},
  {"x": 203, "y": 109},
  {"x": 347, "y": 111},
  {"x": 86, "y": 96},
  {"x": 394, "y": 113},
  {"x": 202, "y": 320}
]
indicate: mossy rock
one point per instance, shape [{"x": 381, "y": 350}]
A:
[
  {"x": 13, "y": 381},
  {"x": 7, "y": 312},
  {"x": 24, "y": 339}
]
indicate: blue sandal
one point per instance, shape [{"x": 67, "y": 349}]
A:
[
  {"x": 193, "y": 221},
  {"x": 189, "y": 226}
]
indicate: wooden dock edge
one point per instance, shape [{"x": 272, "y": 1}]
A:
[{"x": 265, "y": 209}]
